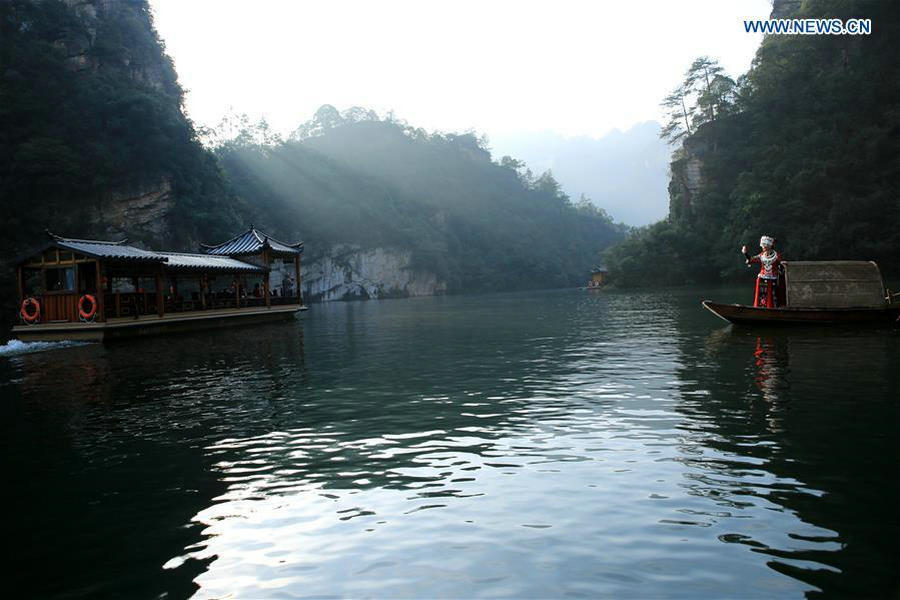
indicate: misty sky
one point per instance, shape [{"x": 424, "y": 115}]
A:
[{"x": 576, "y": 68}]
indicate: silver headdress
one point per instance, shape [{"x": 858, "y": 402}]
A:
[{"x": 766, "y": 241}]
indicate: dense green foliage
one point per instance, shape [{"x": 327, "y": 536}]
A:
[
  {"x": 804, "y": 147},
  {"x": 89, "y": 109},
  {"x": 85, "y": 111},
  {"x": 352, "y": 178}
]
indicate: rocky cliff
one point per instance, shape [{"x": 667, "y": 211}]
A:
[
  {"x": 347, "y": 272},
  {"x": 686, "y": 178},
  {"x": 139, "y": 211}
]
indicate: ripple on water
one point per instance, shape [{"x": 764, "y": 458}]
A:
[{"x": 19, "y": 348}]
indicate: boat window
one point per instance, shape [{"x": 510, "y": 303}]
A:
[
  {"x": 188, "y": 286},
  {"x": 33, "y": 282},
  {"x": 87, "y": 277},
  {"x": 123, "y": 285},
  {"x": 147, "y": 285},
  {"x": 60, "y": 280}
]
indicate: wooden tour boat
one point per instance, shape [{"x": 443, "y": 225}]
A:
[
  {"x": 72, "y": 289},
  {"x": 821, "y": 292}
]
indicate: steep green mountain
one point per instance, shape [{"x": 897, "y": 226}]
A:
[
  {"x": 477, "y": 224},
  {"x": 93, "y": 139},
  {"x": 804, "y": 147}
]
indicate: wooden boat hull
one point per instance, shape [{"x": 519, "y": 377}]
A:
[
  {"x": 152, "y": 324},
  {"x": 749, "y": 315}
]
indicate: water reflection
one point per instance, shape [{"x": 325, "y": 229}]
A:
[
  {"x": 770, "y": 363},
  {"x": 809, "y": 424},
  {"x": 519, "y": 445}
]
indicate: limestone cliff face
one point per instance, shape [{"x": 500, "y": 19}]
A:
[
  {"x": 687, "y": 178},
  {"x": 346, "y": 272},
  {"x": 136, "y": 210}
]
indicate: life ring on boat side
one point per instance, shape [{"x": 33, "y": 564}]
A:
[
  {"x": 30, "y": 317},
  {"x": 87, "y": 314}
]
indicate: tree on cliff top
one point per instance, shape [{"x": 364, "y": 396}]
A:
[{"x": 704, "y": 95}]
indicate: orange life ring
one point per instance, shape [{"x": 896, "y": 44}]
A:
[
  {"x": 30, "y": 318},
  {"x": 87, "y": 315}
]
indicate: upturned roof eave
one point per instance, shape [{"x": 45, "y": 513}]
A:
[{"x": 262, "y": 239}]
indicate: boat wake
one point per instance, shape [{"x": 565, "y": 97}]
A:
[{"x": 18, "y": 347}]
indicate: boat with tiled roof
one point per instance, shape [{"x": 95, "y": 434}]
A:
[{"x": 73, "y": 288}]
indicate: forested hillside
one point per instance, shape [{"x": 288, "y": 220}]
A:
[
  {"x": 804, "y": 147},
  {"x": 478, "y": 224}
]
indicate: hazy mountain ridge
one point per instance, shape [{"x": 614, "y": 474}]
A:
[
  {"x": 474, "y": 223},
  {"x": 623, "y": 172}
]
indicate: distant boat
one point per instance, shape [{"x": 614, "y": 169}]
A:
[
  {"x": 821, "y": 292},
  {"x": 597, "y": 280}
]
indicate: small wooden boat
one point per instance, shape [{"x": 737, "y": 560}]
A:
[
  {"x": 821, "y": 292},
  {"x": 749, "y": 315}
]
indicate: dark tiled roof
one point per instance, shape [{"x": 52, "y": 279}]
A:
[
  {"x": 109, "y": 250},
  {"x": 120, "y": 251},
  {"x": 179, "y": 260},
  {"x": 252, "y": 242}
]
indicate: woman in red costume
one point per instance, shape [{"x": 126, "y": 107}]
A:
[{"x": 768, "y": 292}]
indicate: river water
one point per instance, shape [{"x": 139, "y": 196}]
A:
[{"x": 547, "y": 444}]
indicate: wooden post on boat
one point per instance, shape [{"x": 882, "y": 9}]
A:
[
  {"x": 237, "y": 291},
  {"x": 21, "y": 285},
  {"x": 298, "y": 282},
  {"x": 101, "y": 293},
  {"x": 75, "y": 317},
  {"x": 267, "y": 260},
  {"x": 160, "y": 301}
]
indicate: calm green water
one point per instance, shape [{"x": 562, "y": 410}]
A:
[{"x": 545, "y": 444}]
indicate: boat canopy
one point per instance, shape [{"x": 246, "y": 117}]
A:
[
  {"x": 253, "y": 242},
  {"x": 834, "y": 284}
]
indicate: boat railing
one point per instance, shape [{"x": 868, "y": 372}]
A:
[{"x": 136, "y": 304}]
